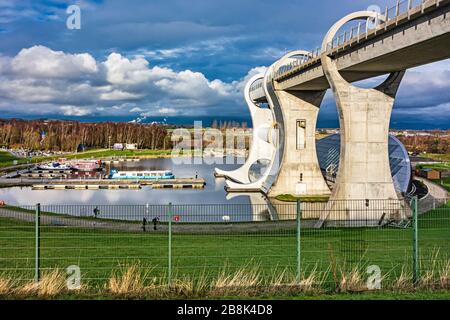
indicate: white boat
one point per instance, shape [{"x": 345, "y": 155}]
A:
[
  {"x": 54, "y": 166},
  {"x": 159, "y": 174}
]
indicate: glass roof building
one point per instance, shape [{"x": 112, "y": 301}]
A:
[{"x": 328, "y": 152}]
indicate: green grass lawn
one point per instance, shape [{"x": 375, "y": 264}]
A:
[
  {"x": 6, "y": 156},
  {"x": 435, "y": 156},
  {"x": 326, "y": 252},
  {"x": 443, "y": 166},
  {"x": 291, "y": 198},
  {"x": 106, "y": 153},
  {"x": 445, "y": 182},
  {"x": 6, "y": 159}
]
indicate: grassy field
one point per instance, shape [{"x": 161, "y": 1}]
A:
[
  {"x": 438, "y": 157},
  {"x": 437, "y": 166},
  {"x": 443, "y": 166},
  {"x": 119, "y": 153},
  {"x": 326, "y": 254},
  {"x": 6, "y": 159},
  {"x": 445, "y": 182}
]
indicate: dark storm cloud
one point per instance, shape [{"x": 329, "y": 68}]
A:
[{"x": 219, "y": 40}]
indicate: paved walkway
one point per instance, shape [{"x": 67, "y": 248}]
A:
[
  {"x": 437, "y": 196},
  {"x": 194, "y": 228}
]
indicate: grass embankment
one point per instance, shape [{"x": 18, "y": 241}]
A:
[
  {"x": 7, "y": 160},
  {"x": 330, "y": 258},
  {"x": 437, "y": 157},
  {"x": 128, "y": 286},
  {"x": 6, "y": 157},
  {"x": 106, "y": 153},
  {"x": 291, "y": 198},
  {"x": 443, "y": 166},
  {"x": 445, "y": 182}
]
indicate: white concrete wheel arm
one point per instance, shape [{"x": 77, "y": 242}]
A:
[
  {"x": 262, "y": 120},
  {"x": 273, "y": 146},
  {"x": 272, "y": 173}
]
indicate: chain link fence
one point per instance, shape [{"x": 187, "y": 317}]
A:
[{"x": 284, "y": 243}]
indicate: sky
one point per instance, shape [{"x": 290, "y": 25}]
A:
[{"x": 176, "y": 59}]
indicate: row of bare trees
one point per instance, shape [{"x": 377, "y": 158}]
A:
[
  {"x": 69, "y": 135},
  {"x": 435, "y": 143}
]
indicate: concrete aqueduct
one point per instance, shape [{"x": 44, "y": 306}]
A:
[{"x": 410, "y": 34}]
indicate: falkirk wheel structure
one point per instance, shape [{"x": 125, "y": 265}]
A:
[
  {"x": 286, "y": 148},
  {"x": 284, "y": 104}
]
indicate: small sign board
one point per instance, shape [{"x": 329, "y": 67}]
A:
[
  {"x": 176, "y": 218},
  {"x": 300, "y": 189}
]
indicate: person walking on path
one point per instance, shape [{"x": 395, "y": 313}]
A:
[
  {"x": 96, "y": 212},
  {"x": 144, "y": 223},
  {"x": 155, "y": 223}
]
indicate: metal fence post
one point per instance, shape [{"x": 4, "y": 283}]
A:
[
  {"x": 415, "y": 242},
  {"x": 169, "y": 266},
  {"x": 299, "y": 260},
  {"x": 37, "y": 253}
]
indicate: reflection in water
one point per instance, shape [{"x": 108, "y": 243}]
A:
[
  {"x": 204, "y": 205},
  {"x": 261, "y": 209},
  {"x": 258, "y": 169}
]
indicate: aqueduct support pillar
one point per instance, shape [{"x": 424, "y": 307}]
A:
[
  {"x": 364, "y": 116},
  {"x": 299, "y": 171}
]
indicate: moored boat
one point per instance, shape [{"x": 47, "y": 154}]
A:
[
  {"x": 54, "y": 166},
  {"x": 151, "y": 174},
  {"x": 86, "y": 165}
]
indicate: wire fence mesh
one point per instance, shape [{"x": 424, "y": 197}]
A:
[{"x": 282, "y": 243}]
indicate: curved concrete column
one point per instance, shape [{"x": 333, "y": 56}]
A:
[
  {"x": 364, "y": 116},
  {"x": 295, "y": 167},
  {"x": 261, "y": 147}
]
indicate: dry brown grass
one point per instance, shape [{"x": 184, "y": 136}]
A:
[
  {"x": 130, "y": 280},
  {"x": 51, "y": 284},
  {"x": 6, "y": 285},
  {"x": 134, "y": 281},
  {"x": 189, "y": 286},
  {"x": 352, "y": 281},
  {"x": 434, "y": 272},
  {"x": 444, "y": 276},
  {"x": 314, "y": 281},
  {"x": 404, "y": 281},
  {"x": 244, "y": 281}
]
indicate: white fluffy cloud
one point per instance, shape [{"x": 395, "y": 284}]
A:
[
  {"x": 122, "y": 71},
  {"x": 79, "y": 85},
  {"x": 40, "y": 81},
  {"x": 75, "y": 111},
  {"x": 41, "y": 62}
]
